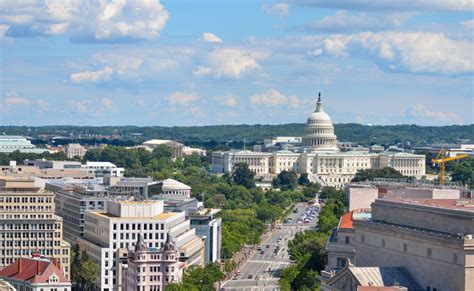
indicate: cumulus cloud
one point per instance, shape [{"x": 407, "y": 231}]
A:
[
  {"x": 210, "y": 37},
  {"x": 277, "y": 9},
  {"x": 93, "y": 20},
  {"x": 419, "y": 111},
  {"x": 107, "y": 102},
  {"x": 413, "y": 5},
  {"x": 344, "y": 22},
  {"x": 92, "y": 76},
  {"x": 230, "y": 62},
  {"x": 415, "y": 52},
  {"x": 273, "y": 98},
  {"x": 13, "y": 99},
  {"x": 182, "y": 98}
]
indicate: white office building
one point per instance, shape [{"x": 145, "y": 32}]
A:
[{"x": 106, "y": 232}]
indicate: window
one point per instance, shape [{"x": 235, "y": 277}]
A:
[
  {"x": 428, "y": 254},
  {"x": 455, "y": 258},
  {"x": 383, "y": 243},
  {"x": 348, "y": 239},
  {"x": 405, "y": 248}
]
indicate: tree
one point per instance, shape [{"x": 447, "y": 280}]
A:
[
  {"x": 162, "y": 151},
  {"x": 303, "y": 179},
  {"x": 198, "y": 279},
  {"x": 286, "y": 180},
  {"x": 84, "y": 271},
  {"x": 268, "y": 212},
  {"x": 242, "y": 175},
  {"x": 464, "y": 172},
  {"x": 371, "y": 174}
]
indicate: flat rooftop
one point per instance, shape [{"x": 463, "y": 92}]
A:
[
  {"x": 456, "y": 204},
  {"x": 162, "y": 216}
]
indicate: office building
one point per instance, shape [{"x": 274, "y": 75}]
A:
[
  {"x": 319, "y": 157},
  {"x": 152, "y": 268},
  {"x": 118, "y": 227},
  {"x": 430, "y": 238},
  {"x": 35, "y": 274},
  {"x": 73, "y": 198},
  {"x": 28, "y": 223},
  {"x": 102, "y": 169},
  {"x": 130, "y": 187}
]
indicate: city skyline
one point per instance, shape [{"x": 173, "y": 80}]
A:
[{"x": 204, "y": 63}]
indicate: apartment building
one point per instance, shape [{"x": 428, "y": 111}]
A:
[
  {"x": 118, "y": 227},
  {"x": 28, "y": 223}
]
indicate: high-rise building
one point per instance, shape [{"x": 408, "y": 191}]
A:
[
  {"x": 151, "y": 268},
  {"x": 28, "y": 223},
  {"x": 118, "y": 227}
]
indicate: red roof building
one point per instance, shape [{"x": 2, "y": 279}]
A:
[{"x": 35, "y": 274}]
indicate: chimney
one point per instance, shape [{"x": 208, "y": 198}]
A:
[
  {"x": 35, "y": 254},
  {"x": 20, "y": 265}
]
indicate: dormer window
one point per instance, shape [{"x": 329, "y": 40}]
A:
[{"x": 53, "y": 278}]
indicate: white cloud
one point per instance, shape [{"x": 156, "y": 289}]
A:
[
  {"x": 274, "y": 98},
  {"x": 230, "y": 62},
  {"x": 92, "y": 76},
  {"x": 316, "y": 52},
  {"x": 345, "y": 22},
  {"x": 412, "y": 5},
  {"x": 93, "y": 20},
  {"x": 81, "y": 106},
  {"x": 421, "y": 112},
  {"x": 182, "y": 98},
  {"x": 277, "y": 9},
  {"x": 414, "y": 52},
  {"x": 12, "y": 99},
  {"x": 210, "y": 37}
]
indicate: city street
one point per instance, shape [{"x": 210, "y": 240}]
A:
[{"x": 261, "y": 271}]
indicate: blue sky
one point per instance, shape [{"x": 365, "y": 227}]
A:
[{"x": 147, "y": 62}]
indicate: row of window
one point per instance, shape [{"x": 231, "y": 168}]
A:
[{"x": 138, "y": 226}]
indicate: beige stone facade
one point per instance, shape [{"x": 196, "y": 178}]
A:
[
  {"x": 28, "y": 223},
  {"x": 431, "y": 238}
]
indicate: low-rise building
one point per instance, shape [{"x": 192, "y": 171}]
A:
[
  {"x": 11, "y": 143},
  {"x": 35, "y": 274},
  {"x": 118, "y": 227},
  {"x": 176, "y": 147},
  {"x": 151, "y": 268},
  {"x": 75, "y": 150},
  {"x": 173, "y": 187},
  {"x": 129, "y": 187},
  {"x": 102, "y": 169}
]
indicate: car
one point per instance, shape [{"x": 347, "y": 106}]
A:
[
  {"x": 262, "y": 252},
  {"x": 250, "y": 276},
  {"x": 235, "y": 278},
  {"x": 267, "y": 246},
  {"x": 259, "y": 248},
  {"x": 295, "y": 210}
]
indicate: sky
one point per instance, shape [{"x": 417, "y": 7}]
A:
[{"x": 183, "y": 63}]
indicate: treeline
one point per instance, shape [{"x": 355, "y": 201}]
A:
[{"x": 215, "y": 136}]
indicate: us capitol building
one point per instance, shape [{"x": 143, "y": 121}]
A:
[{"x": 319, "y": 156}]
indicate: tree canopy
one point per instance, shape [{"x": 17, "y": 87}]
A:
[
  {"x": 286, "y": 180},
  {"x": 242, "y": 175},
  {"x": 371, "y": 174}
]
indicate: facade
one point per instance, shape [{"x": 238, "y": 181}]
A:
[
  {"x": 129, "y": 187},
  {"x": 209, "y": 227},
  {"x": 106, "y": 232},
  {"x": 11, "y": 143},
  {"x": 28, "y": 223},
  {"x": 101, "y": 169},
  {"x": 320, "y": 157},
  {"x": 75, "y": 150},
  {"x": 35, "y": 274},
  {"x": 72, "y": 201},
  {"x": 152, "y": 268},
  {"x": 431, "y": 238},
  {"x": 173, "y": 187},
  {"x": 58, "y": 165}
]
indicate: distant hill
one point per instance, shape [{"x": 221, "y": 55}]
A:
[{"x": 221, "y": 134}]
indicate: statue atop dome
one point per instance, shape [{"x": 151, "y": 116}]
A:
[{"x": 319, "y": 104}]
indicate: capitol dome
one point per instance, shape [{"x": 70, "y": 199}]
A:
[{"x": 319, "y": 131}]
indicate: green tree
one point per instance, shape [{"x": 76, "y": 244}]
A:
[
  {"x": 268, "y": 213},
  {"x": 286, "y": 180},
  {"x": 303, "y": 179},
  {"x": 371, "y": 174},
  {"x": 198, "y": 279},
  {"x": 464, "y": 172},
  {"x": 162, "y": 151},
  {"x": 84, "y": 271},
  {"x": 242, "y": 175}
]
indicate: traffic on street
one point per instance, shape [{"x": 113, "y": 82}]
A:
[{"x": 262, "y": 270}]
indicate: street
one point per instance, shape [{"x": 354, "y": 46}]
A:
[{"x": 261, "y": 271}]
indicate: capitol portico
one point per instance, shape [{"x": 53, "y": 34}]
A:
[{"x": 319, "y": 157}]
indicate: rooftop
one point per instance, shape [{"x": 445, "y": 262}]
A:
[
  {"x": 161, "y": 216},
  {"x": 383, "y": 277},
  {"x": 456, "y": 204},
  {"x": 33, "y": 270}
]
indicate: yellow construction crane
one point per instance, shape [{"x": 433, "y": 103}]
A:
[{"x": 441, "y": 159}]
